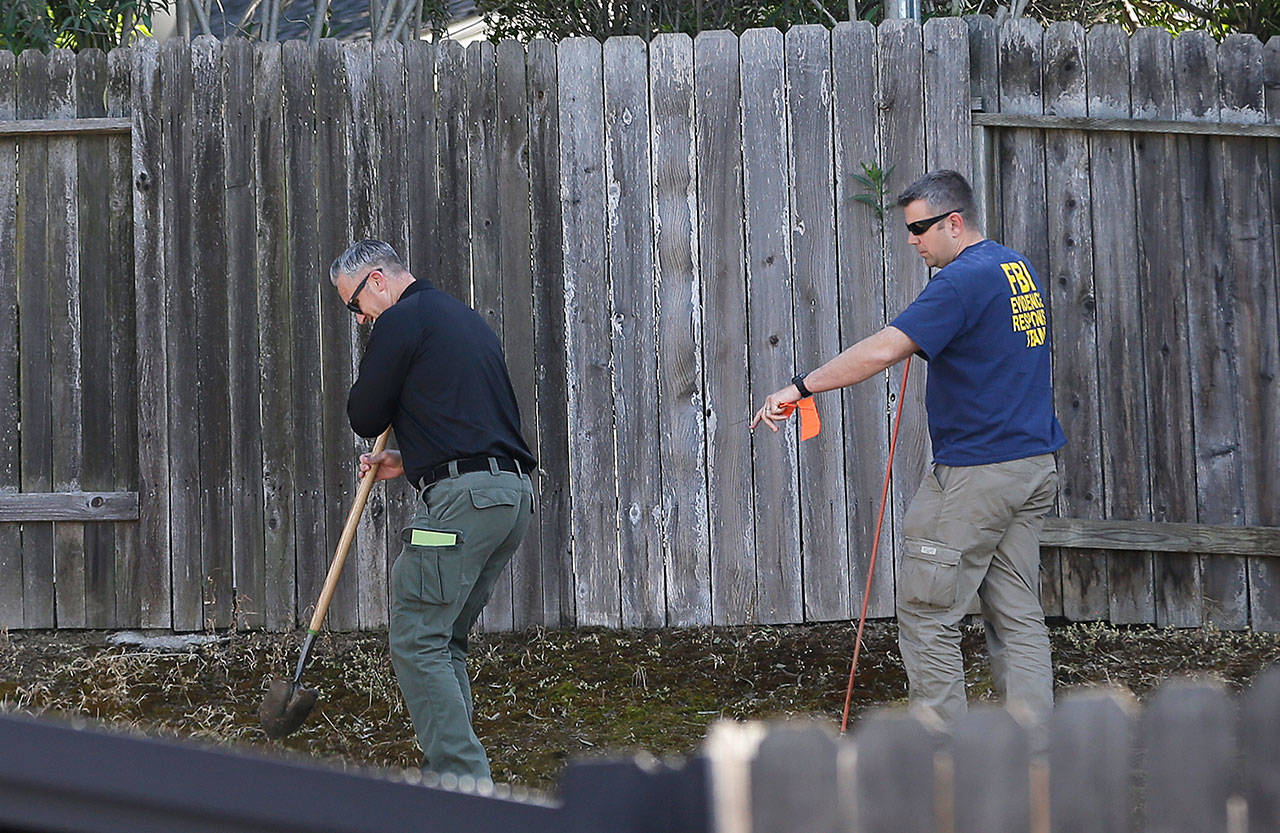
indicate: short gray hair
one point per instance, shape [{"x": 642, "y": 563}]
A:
[
  {"x": 373, "y": 253},
  {"x": 943, "y": 190}
]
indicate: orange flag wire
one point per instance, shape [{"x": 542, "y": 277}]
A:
[{"x": 810, "y": 423}]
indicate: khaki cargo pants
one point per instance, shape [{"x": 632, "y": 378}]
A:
[
  {"x": 975, "y": 530},
  {"x": 464, "y": 533}
]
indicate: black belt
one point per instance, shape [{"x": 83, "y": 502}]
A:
[{"x": 467, "y": 465}]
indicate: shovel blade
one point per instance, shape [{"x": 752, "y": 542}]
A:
[{"x": 284, "y": 708}]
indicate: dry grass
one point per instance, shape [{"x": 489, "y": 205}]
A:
[{"x": 543, "y": 697}]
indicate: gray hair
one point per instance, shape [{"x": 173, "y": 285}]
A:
[
  {"x": 373, "y": 253},
  {"x": 943, "y": 190}
]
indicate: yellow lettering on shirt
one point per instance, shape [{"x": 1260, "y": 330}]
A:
[{"x": 1026, "y": 307}]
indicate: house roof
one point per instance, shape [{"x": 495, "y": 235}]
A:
[{"x": 348, "y": 19}]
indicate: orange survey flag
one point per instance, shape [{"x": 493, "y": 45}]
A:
[{"x": 810, "y": 424}]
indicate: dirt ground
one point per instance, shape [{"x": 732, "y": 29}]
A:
[{"x": 543, "y": 697}]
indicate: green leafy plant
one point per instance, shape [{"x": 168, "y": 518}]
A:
[
  {"x": 74, "y": 24},
  {"x": 875, "y": 188}
]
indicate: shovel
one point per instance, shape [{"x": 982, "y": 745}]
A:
[{"x": 287, "y": 703}]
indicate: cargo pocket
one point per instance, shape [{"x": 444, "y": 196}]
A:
[
  {"x": 437, "y": 552},
  {"x": 489, "y": 498},
  {"x": 930, "y": 572}
]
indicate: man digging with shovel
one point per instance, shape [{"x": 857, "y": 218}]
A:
[{"x": 435, "y": 372}]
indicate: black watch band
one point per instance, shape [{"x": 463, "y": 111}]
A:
[{"x": 798, "y": 381}]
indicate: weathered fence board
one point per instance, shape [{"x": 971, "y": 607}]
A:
[
  {"x": 1091, "y": 735},
  {"x": 1189, "y": 766},
  {"x": 684, "y": 525},
  {"x": 1264, "y": 578},
  {"x": 11, "y": 552},
  {"x": 770, "y": 322}
]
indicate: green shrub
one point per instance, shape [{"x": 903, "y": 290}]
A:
[{"x": 73, "y": 24}]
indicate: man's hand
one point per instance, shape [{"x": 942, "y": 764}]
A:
[
  {"x": 389, "y": 464},
  {"x": 772, "y": 410}
]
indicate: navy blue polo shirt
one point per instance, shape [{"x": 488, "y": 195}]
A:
[{"x": 983, "y": 325}]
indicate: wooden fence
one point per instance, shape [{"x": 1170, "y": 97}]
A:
[
  {"x": 1194, "y": 760},
  {"x": 661, "y": 234}
]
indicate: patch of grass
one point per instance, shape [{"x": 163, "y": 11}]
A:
[{"x": 543, "y": 697}]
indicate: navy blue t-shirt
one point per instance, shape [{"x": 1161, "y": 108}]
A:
[{"x": 982, "y": 324}]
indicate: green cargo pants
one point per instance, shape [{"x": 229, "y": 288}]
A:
[
  {"x": 975, "y": 530},
  {"x": 466, "y": 528}
]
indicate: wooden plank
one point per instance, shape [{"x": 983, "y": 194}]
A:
[
  {"x": 305, "y": 282},
  {"x": 248, "y": 554},
  {"x": 592, "y": 461},
  {"x": 1128, "y": 125},
  {"x": 1216, "y": 442},
  {"x": 81, "y": 126},
  {"x": 397, "y": 85},
  {"x": 147, "y": 599},
  {"x": 771, "y": 323},
  {"x": 1162, "y": 537},
  {"x": 68, "y": 506},
  {"x": 682, "y": 423},
  {"x": 824, "y": 543},
  {"x": 11, "y": 581},
  {"x": 275, "y": 608},
  {"x": 122, "y": 362},
  {"x": 1264, "y": 578},
  {"x": 549, "y": 344},
  {"x": 35, "y": 380},
  {"x": 896, "y": 788},
  {"x": 519, "y": 330},
  {"x": 722, "y": 258},
  {"x": 629, "y": 223},
  {"x": 794, "y": 781},
  {"x": 486, "y": 245},
  {"x": 860, "y": 256},
  {"x": 992, "y": 784},
  {"x": 334, "y": 235},
  {"x": 1164, "y": 314},
  {"x": 1260, "y": 742},
  {"x": 371, "y": 166},
  {"x": 1190, "y": 759},
  {"x": 1024, "y": 209},
  {"x": 1090, "y": 757},
  {"x": 902, "y": 136},
  {"x": 948, "y": 139},
  {"x": 212, "y": 288},
  {"x": 452, "y": 272},
  {"x": 1121, "y": 380},
  {"x": 984, "y": 87},
  {"x": 62, "y": 269},
  {"x": 1241, "y": 99},
  {"x": 1070, "y": 294},
  {"x": 94, "y": 213}
]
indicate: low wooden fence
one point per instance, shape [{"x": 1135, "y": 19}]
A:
[
  {"x": 661, "y": 233},
  {"x": 1194, "y": 760}
]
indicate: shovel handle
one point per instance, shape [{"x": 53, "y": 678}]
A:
[{"x": 348, "y": 534}]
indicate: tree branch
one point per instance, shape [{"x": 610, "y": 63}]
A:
[{"x": 317, "y": 22}]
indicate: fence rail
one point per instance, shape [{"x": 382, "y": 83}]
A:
[{"x": 660, "y": 233}]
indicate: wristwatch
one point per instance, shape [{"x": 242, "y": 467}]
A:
[{"x": 798, "y": 381}]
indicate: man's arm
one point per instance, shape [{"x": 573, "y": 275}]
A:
[{"x": 861, "y": 361}]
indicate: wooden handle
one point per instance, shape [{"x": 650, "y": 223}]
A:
[{"x": 348, "y": 534}]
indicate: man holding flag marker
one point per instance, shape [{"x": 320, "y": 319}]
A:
[{"x": 973, "y": 528}]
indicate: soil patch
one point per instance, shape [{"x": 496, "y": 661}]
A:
[{"x": 543, "y": 697}]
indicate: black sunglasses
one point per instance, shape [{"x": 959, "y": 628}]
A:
[
  {"x": 919, "y": 227},
  {"x": 352, "y": 303}
]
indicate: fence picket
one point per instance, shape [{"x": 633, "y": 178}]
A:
[
  {"x": 1189, "y": 740},
  {"x": 948, "y": 139},
  {"x": 306, "y": 280},
  {"x": 452, "y": 263},
  {"x": 896, "y": 786},
  {"x": 279, "y": 500},
  {"x": 824, "y": 541},
  {"x": 1121, "y": 380},
  {"x": 518, "y": 326},
  {"x": 771, "y": 323},
  {"x": 992, "y": 766},
  {"x": 11, "y": 553},
  {"x": 794, "y": 777},
  {"x": 984, "y": 87},
  {"x": 860, "y": 232},
  {"x": 730, "y": 505},
  {"x": 1216, "y": 444},
  {"x": 243, "y": 181},
  {"x": 1264, "y": 577},
  {"x": 1091, "y": 737},
  {"x": 552, "y": 412},
  {"x": 681, "y": 416},
  {"x": 587, "y": 331},
  {"x": 1260, "y": 742}
]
